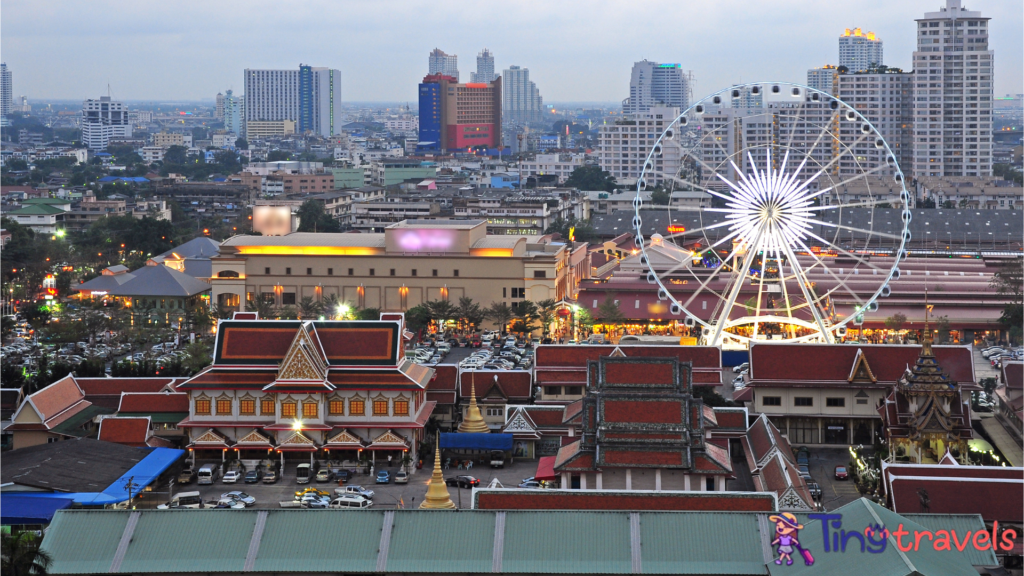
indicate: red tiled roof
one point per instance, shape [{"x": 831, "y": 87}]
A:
[
  {"x": 130, "y": 431},
  {"x": 832, "y": 362},
  {"x": 153, "y": 402},
  {"x": 57, "y": 397},
  {"x": 774, "y": 475},
  {"x": 444, "y": 377},
  {"x": 546, "y": 417},
  {"x": 515, "y": 384},
  {"x": 445, "y": 397},
  {"x": 115, "y": 386},
  {"x": 227, "y": 378},
  {"x": 1013, "y": 375},
  {"x": 731, "y": 418},
  {"x": 572, "y": 411},
  {"x": 549, "y": 355},
  {"x": 487, "y": 499},
  {"x": 760, "y": 438},
  {"x": 996, "y": 493}
]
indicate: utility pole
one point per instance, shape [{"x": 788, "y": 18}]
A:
[{"x": 130, "y": 486}]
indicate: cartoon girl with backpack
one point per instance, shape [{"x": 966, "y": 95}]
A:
[{"x": 786, "y": 530}]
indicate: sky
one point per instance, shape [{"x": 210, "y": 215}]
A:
[{"x": 575, "y": 51}]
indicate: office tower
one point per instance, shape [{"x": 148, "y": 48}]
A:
[
  {"x": 893, "y": 116},
  {"x": 484, "y": 67},
  {"x": 623, "y": 147},
  {"x": 444, "y": 64},
  {"x": 745, "y": 98},
  {"x": 233, "y": 114},
  {"x": 953, "y": 94},
  {"x": 102, "y": 120},
  {"x": 859, "y": 51},
  {"x": 218, "y": 110},
  {"x": 5, "y": 90},
  {"x": 654, "y": 84},
  {"x": 457, "y": 116},
  {"x": 822, "y": 78},
  {"x": 521, "y": 101},
  {"x": 308, "y": 96}
]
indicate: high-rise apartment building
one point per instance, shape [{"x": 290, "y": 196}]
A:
[
  {"x": 887, "y": 101},
  {"x": 822, "y": 78},
  {"x": 102, "y": 120},
  {"x": 309, "y": 96},
  {"x": 456, "y": 116},
  {"x": 745, "y": 97},
  {"x": 445, "y": 64},
  {"x": 654, "y": 84},
  {"x": 953, "y": 79},
  {"x": 218, "y": 109},
  {"x": 6, "y": 90},
  {"x": 484, "y": 67},
  {"x": 521, "y": 100},
  {"x": 623, "y": 147},
  {"x": 234, "y": 114},
  {"x": 859, "y": 51}
]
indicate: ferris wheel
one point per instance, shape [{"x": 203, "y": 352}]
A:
[{"x": 787, "y": 218}]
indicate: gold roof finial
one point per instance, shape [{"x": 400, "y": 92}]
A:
[
  {"x": 927, "y": 329},
  {"x": 474, "y": 421},
  {"x": 437, "y": 497}
]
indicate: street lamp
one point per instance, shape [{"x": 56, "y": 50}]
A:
[{"x": 343, "y": 310}]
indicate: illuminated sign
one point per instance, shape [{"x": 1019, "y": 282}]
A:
[
  {"x": 272, "y": 220},
  {"x": 426, "y": 240},
  {"x": 99, "y": 292},
  {"x": 676, "y": 229}
]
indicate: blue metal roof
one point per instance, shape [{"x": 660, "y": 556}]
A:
[
  {"x": 476, "y": 441},
  {"x": 18, "y": 510}
]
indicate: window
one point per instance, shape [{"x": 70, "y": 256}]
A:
[
  {"x": 330, "y": 271},
  {"x": 351, "y": 271},
  {"x": 309, "y": 271},
  {"x": 413, "y": 271},
  {"x": 392, "y": 271},
  {"x": 803, "y": 401},
  {"x": 571, "y": 390},
  {"x": 835, "y": 402},
  {"x": 267, "y": 407},
  {"x": 309, "y": 410},
  {"x": 803, "y": 431},
  {"x": 203, "y": 406},
  {"x": 401, "y": 407},
  {"x": 771, "y": 401},
  {"x": 356, "y": 408},
  {"x": 223, "y": 406},
  {"x": 540, "y": 274},
  {"x": 504, "y": 292},
  {"x": 862, "y": 400},
  {"x": 287, "y": 298},
  {"x": 288, "y": 271},
  {"x": 519, "y": 292},
  {"x": 336, "y": 407},
  {"x": 495, "y": 411},
  {"x": 266, "y": 271},
  {"x": 552, "y": 390},
  {"x": 434, "y": 272},
  {"x": 289, "y": 409},
  {"x": 456, "y": 274},
  {"x": 372, "y": 272},
  {"x": 380, "y": 407},
  {"x": 247, "y": 407}
]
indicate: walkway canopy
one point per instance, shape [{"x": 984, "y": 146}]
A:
[
  {"x": 545, "y": 469},
  {"x": 476, "y": 441},
  {"x": 16, "y": 510}
]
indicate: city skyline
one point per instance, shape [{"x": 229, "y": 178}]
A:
[{"x": 167, "y": 50}]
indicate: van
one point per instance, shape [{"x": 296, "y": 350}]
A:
[
  {"x": 303, "y": 473},
  {"x": 350, "y": 501},
  {"x": 183, "y": 500},
  {"x": 444, "y": 347},
  {"x": 208, "y": 473}
]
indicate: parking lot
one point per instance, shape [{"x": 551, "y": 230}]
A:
[
  {"x": 385, "y": 495},
  {"x": 821, "y": 464}
]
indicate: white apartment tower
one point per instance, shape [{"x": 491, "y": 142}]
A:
[
  {"x": 484, "y": 67},
  {"x": 521, "y": 100},
  {"x": 234, "y": 114},
  {"x": 822, "y": 78},
  {"x": 887, "y": 101},
  {"x": 218, "y": 110},
  {"x": 102, "y": 120},
  {"x": 309, "y": 96},
  {"x": 859, "y": 51},
  {"x": 953, "y": 69},
  {"x": 622, "y": 147},
  {"x": 6, "y": 91},
  {"x": 441, "y": 63},
  {"x": 271, "y": 95},
  {"x": 654, "y": 84}
]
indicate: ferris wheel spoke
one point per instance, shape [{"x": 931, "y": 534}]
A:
[
  {"x": 845, "y": 252},
  {"x": 714, "y": 273},
  {"x": 811, "y": 303},
  {"x": 864, "y": 174},
  {"x": 700, "y": 230},
  {"x": 739, "y": 278},
  {"x": 863, "y": 204},
  {"x": 855, "y": 229},
  {"x": 827, "y": 269}
]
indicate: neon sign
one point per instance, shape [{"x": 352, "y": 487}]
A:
[
  {"x": 427, "y": 240},
  {"x": 676, "y": 229}
]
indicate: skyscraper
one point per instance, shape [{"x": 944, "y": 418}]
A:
[
  {"x": 5, "y": 90},
  {"x": 894, "y": 119},
  {"x": 859, "y": 51},
  {"x": 441, "y": 63},
  {"x": 309, "y": 96},
  {"x": 484, "y": 67},
  {"x": 102, "y": 120},
  {"x": 456, "y": 116},
  {"x": 822, "y": 78},
  {"x": 654, "y": 84},
  {"x": 521, "y": 100},
  {"x": 218, "y": 110},
  {"x": 233, "y": 114},
  {"x": 953, "y": 94}
]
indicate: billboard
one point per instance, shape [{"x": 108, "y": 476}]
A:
[{"x": 272, "y": 220}]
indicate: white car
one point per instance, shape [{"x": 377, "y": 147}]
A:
[
  {"x": 350, "y": 501},
  {"x": 231, "y": 477},
  {"x": 240, "y": 496},
  {"x": 402, "y": 477},
  {"x": 741, "y": 368},
  {"x": 314, "y": 501}
]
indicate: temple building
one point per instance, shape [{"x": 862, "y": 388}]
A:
[
  {"x": 640, "y": 428},
  {"x": 300, "y": 389},
  {"x": 926, "y": 414}
]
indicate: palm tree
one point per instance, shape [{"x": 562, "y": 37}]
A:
[
  {"x": 500, "y": 314},
  {"x": 441, "y": 311},
  {"x": 308, "y": 308},
  {"x": 21, "y": 556},
  {"x": 329, "y": 306},
  {"x": 264, "y": 307},
  {"x": 469, "y": 313},
  {"x": 546, "y": 310}
]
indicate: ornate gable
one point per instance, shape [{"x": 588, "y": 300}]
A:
[
  {"x": 345, "y": 439},
  {"x": 389, "y": 439},
  {"x": 210, "y": 439},
  {"x": 861, "y": 371},
  {"x": 304, "y": 360},
  {"x": 253, "y": 438},
  {"x": 296, "y": 439},
  {"x": 521, "y": 425},
  {"x": 791, "y": 501}
]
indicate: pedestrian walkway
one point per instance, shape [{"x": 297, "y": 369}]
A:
[{"x": 1002, "y": 439}]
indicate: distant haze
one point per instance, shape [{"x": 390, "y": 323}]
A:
[{"x": 576, "y": 51}]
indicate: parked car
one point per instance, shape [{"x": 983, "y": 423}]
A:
[
  {"x": 741, "y": 367},
  {"x": 354, "y": 489},
  {"x": 314, "y": 491},
  {"x": 324, "y": 475},
  {"x": 187, "y": 476},
  {"x": 270, "y": 477},
  {"x": 530, "y": 484},
  {"x": 314, "y": 501},
  {"x": 814, "y": 489},
  {"x": 383, "y": 477},
  {"x": 841, "y": 473},
  {"x": 227, "y": 503},
  {"x": 497, "y": 458},
  {"x": 462, "y": 481},
  {"x": 252, "y": 477},
  {"x": 350, "y": 501},
  {"x": 231, "y": 477},
  {"x": 183, "y": 500},
  {"x": 802, "y": 458},
  {"x": 240, "y": 496},
  {"x": 805, "y": 473},
  {"x": 401, "y": 477}
]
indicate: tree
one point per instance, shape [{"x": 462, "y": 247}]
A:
[
  {"x": 21, "y": 556},
  {"x": 367, "y": 314},
  {"x": 263, "y": 307},
  {"x": 896, "y": 321},
  {"x": 582, "y": 231},
  {"x": 242, "y": 144},
  {"x": 942, "y": 328},
  {"x": 278, "y": 155},
  {"x": 526, "y": 315},
  {"x": 418, "y": 317},
  {"x": 546, "y": 311},
  {"x": 591, "y": 178},
  {"x": 1009, "y": 282},
  {"x": 660, "y": 197},
  {"x": 500, "y": 314},
  {"x": 329, "y": 307},
  {"x": 608, "y": 312},
  {"x": 313, "y": 218},
  {"x": 441, "y": 311},
  {"x": 469, "y": 313},
  {"x": 309, "y": 308},
  {"x": 176, "y": 155}
]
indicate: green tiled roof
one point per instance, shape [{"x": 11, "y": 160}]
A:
[
  {"x": 696, "y": 546},
  {"x": 319, "y": 541},
  {"x": 35, "y": 210},
  {"x": 73, "y": 425},
  {"x": 567, "y": 542},
  {"x": 195, "y": 541},
  {"x": 441, "y": 541},
  {"x": 84, "y": 542},
  {"x": 962, "y": 524}
]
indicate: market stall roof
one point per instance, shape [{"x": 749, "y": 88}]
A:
[
  {"x": 476, "y": 441},
  {"x": 16, "y": 510}
]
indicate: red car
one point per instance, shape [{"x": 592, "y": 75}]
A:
[{"x": 841, "y": 473}]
